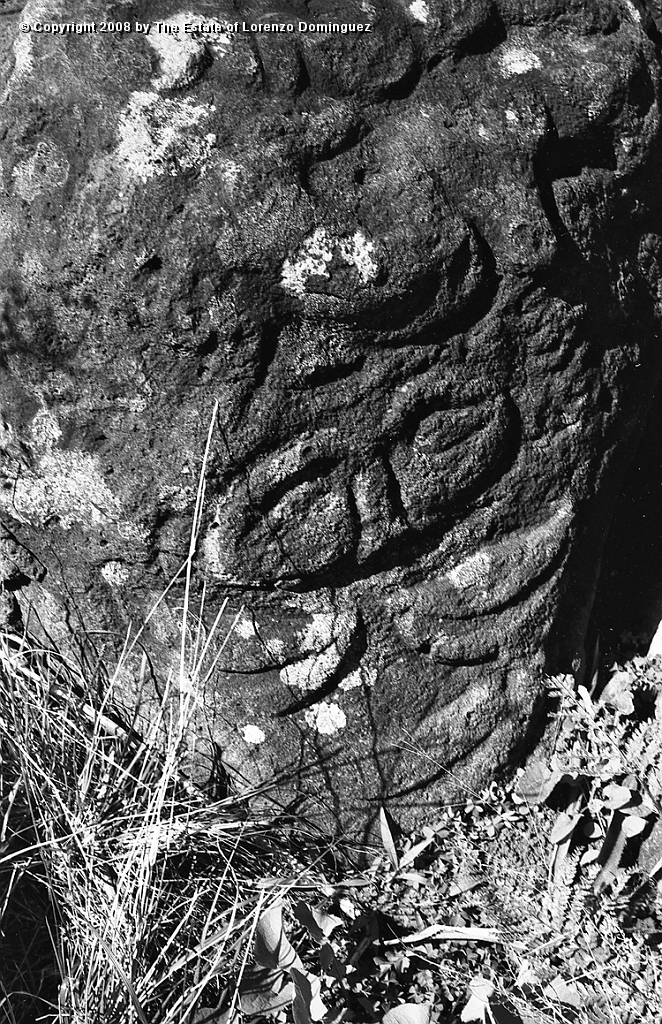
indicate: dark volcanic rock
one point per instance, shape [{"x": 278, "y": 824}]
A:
[{"x": 418, "y": 270}]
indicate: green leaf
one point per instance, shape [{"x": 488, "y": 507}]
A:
[
  {"x": 633, "y": 825},
  {"x": 273, "y": 949},
  {"x": 527, "y": 977},
  {"x": 617, "y": 694},
  {"x": 335, "y": 1015},
  {"x": 330, "y": 963},
  {"x": 263, "y": 991},
  {"x": 564, "y": 826},
  {"x": 565, "y": 992},
  {"x": 387, "y": 838},
  {"x": 307, "y": 1006},
  {"x": 585, "y": 698},
  {"x": 591, "y": 829},
  {"x": 408, "y": 1013},
  {"x": 611, "y": 852},
  {"x": 415, "y": 877},
  {"x": 465, "y": 883},
  {"x": 538, "y": 783},
  {"x": 616, "y": 797},
  {"x": 318, "y": 923},
  {"x": 447, "y": 933},
  {"x": 481, "y": 990},
  {"x": 410, "y": 856},
  {"x": 211, "y": 1015}
]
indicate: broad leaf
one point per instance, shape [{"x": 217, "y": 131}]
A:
[
  {"x": 527, "y": 977},
  {"x": 633, "y": 825},
  {"x": 416, "y": 877},
  {"x": 617, "y": 694},
  {"x": 307, "y": 1006},
  {"x": 387, "y": 838},
  {"x": 330, "y": 963},
  {"x": 263, "y": 991},
  {"x": 410, "y": 856},
  {"x": 538, "y": 783},
  {"x": 616, "y": 797},
  {"x": 564, "y": 826},
  {"x": 211, "y": 1015},
  {"x": 565, "y": 992},
  {"x": 447, "y": 933},
  {"x": 465, "y": 883},
  {"x": 479, "y": 1001},
  {"x": 408, "y": 1013},
  {"x": 273, "y": 949},
  {"x": 318, "y": 923}
]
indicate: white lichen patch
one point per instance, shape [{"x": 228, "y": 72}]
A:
[
  {"x": 318, "y": 632},
  {"x": 506, "y": 564},
  {"x": 472, "y": 572},
  {"x": 274, "y": 647},
  {"x": 245, "y": 628},
  {"x": 189, "y": 689},
  {"x": 47, "y": 169},
  {"x": 325, "y": 628},
  {"x": 517, "y": 60},
  {"x": 155, "y": 136},
  {"x": 180, "y": 53},
  {"x": 65, "y": 485},
  {"x": 364, "y": 494},
  {"x": 45, "y": 430},
  {"x": 328, "y": 636},
  {"x": 314, "y": 671},
  {"x": 182, "y": 499},
  {"x": 68, "y": 486},
  {"x": 253, "y": 735},
  {"x": 115, "y": 573},
  {"x": 23, "y": 57},
  {"x": 319, "y": 250},
  {"x": 326, "y": 719},
  {"x": 357, "y": 252},
  {"x": 316, "y": 252},
  {"x": 230, "y": 172},
  {"x": 420, "y": 11},
  {"x": 362, "y": 676},
  {"x": 26, "y": 61}
]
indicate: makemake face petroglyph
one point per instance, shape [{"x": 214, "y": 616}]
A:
[{"x": 410, "y": 264}]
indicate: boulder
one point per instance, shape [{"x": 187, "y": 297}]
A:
[{"x": 408, "y": 274}]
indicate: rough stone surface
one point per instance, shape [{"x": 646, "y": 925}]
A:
[{"x": 418, "y": 270}]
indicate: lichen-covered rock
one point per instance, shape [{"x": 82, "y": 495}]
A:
[{"x": 416, "y": 269}]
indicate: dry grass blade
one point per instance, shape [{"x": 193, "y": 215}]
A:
[{"x": 152, "y": 882}]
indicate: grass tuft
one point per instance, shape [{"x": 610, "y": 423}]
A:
[{"x": 150, "y": 886}]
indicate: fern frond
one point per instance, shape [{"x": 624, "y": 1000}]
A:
[
  {"x": 579, "y": 906},
  {"x": 644, "y": 748},
  {"x": 561, "y": 890},
  {"x": 635, "y": 748}
]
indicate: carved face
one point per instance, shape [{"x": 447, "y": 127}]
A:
[
  {"x": 416, "y": 268},
  {"x": 427, "y": 354}
]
